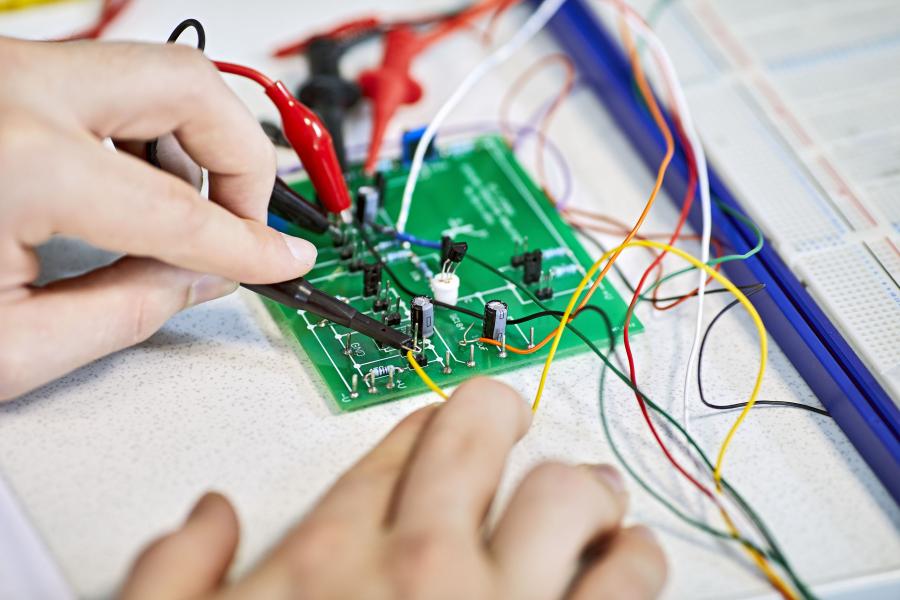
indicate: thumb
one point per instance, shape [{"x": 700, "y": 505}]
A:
[{"x": 190, "y": 561}]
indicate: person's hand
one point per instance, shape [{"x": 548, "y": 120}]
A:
[
  {"x": 408, "y": 521},
  {"x": 57, "y": 103}
]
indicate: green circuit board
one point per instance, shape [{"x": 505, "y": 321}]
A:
[{"x": 474, "y": 192}]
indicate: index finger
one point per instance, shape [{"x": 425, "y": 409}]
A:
[
  {"x": 457, "y": 464},
  {"x": 142, "y": 91}
]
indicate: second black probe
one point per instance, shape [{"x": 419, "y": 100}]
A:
[{"x": 300, "y": 294}]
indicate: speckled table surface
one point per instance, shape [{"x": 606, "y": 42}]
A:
[{"x": 110, "y": 456}]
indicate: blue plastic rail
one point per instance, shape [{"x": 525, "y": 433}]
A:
[{"x": 834, "y": 372}]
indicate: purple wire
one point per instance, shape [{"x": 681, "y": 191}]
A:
[{"x": 522, "y": 132}]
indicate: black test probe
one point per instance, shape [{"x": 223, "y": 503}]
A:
[{"x": 300, "y": 294}]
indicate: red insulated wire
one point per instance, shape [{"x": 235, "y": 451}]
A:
[
  {"x": 109, "y": 11},
  {"x": 390, "y": 85},
  {"x": 344, "y": 30},
  {"x": 686, "y": 205},
  {"x": 247, "y": 72}
]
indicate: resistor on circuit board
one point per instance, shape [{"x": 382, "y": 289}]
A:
[
  {"x": 386, "y": 244},
  {"x": 384, "y": 371},
  {"x": 555, "y": 253},
  {"x": 564, "y": 270},
  {"x": 420, "y": 264},
  {"x": 391, "y": 257}
]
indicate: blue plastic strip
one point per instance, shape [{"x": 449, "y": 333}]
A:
[{"x": 859, "y": 405}]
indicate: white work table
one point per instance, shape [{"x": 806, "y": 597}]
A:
[{"x": 114, "y": 454}]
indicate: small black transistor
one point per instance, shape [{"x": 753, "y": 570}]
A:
[
  {"x": 371, "y": 279},
  {"x": 453, "y": 251},
  {"x": 532, "y": 266}
]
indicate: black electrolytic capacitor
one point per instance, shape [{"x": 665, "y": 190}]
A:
[
  {"x": 368, "y": 201},
  {"x": 495, "y": 316},
  {"x": 380, "y": 183},
  {"x": 422, "y": 316}
]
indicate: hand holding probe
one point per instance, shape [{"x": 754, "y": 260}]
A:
[{"x": 297, "y": 210}]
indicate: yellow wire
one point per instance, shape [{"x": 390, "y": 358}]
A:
[
  {"x": 424, "y": 376},
  {"x": 777, "y": 582},
  {"x": 17, "y": 4},
  {"x": 758, "y": 558},
  {"x": 763, "y": 342}
]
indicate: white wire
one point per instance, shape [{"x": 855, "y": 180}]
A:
[
  {"x": 535, "y": 23},
  {"x": 664, "y": 62}
]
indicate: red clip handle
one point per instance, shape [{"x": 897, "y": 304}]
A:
[
  {"x": 313, "y": 145},
  {"x": 390, "y": 85},
  {"x": 309, "y": 138}
]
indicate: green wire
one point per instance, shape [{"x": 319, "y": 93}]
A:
[
  {"x": 774, "y": 554},
  {"x": 722, "y": 259}
]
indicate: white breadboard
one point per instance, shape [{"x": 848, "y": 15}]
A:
[{"x": 805, "y": 130}]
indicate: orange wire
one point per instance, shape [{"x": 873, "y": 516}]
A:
[
  {"x": 660, "y": 121},
  {"x": 621, "y": 227},
  {"x": 656, "y": 113}
]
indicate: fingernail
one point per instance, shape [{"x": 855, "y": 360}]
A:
[
  {"x": 209, "y": 287},
  {"x": 202, "y": 504},
  {"x": 610, "y": 476},
  {"x": 644, "y": 532},
  {"x": 302, "y": 250}
]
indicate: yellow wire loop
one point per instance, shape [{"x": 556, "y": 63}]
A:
[
  {"x": 763, "y": 341},
  {"x": 424, "y": 376}
]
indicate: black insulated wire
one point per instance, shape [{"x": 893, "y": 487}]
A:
[
  {"x": 194, "y": 24},
  {"x": 759, "y": 287}
]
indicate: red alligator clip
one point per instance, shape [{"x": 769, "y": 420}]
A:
[
  {"x": 390, "y": 85},
  {"x": 309, "y": 138}
]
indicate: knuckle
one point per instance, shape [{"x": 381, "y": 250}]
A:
[
  {"x": 315, "y": 544},
  {"x": 192, "y": 71},
  {"x": 23, "y": 138},
  {"x": 417, "y": 560},
  {"x": 186, "y": 208},
  {"x": 143, "y": 322}
]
